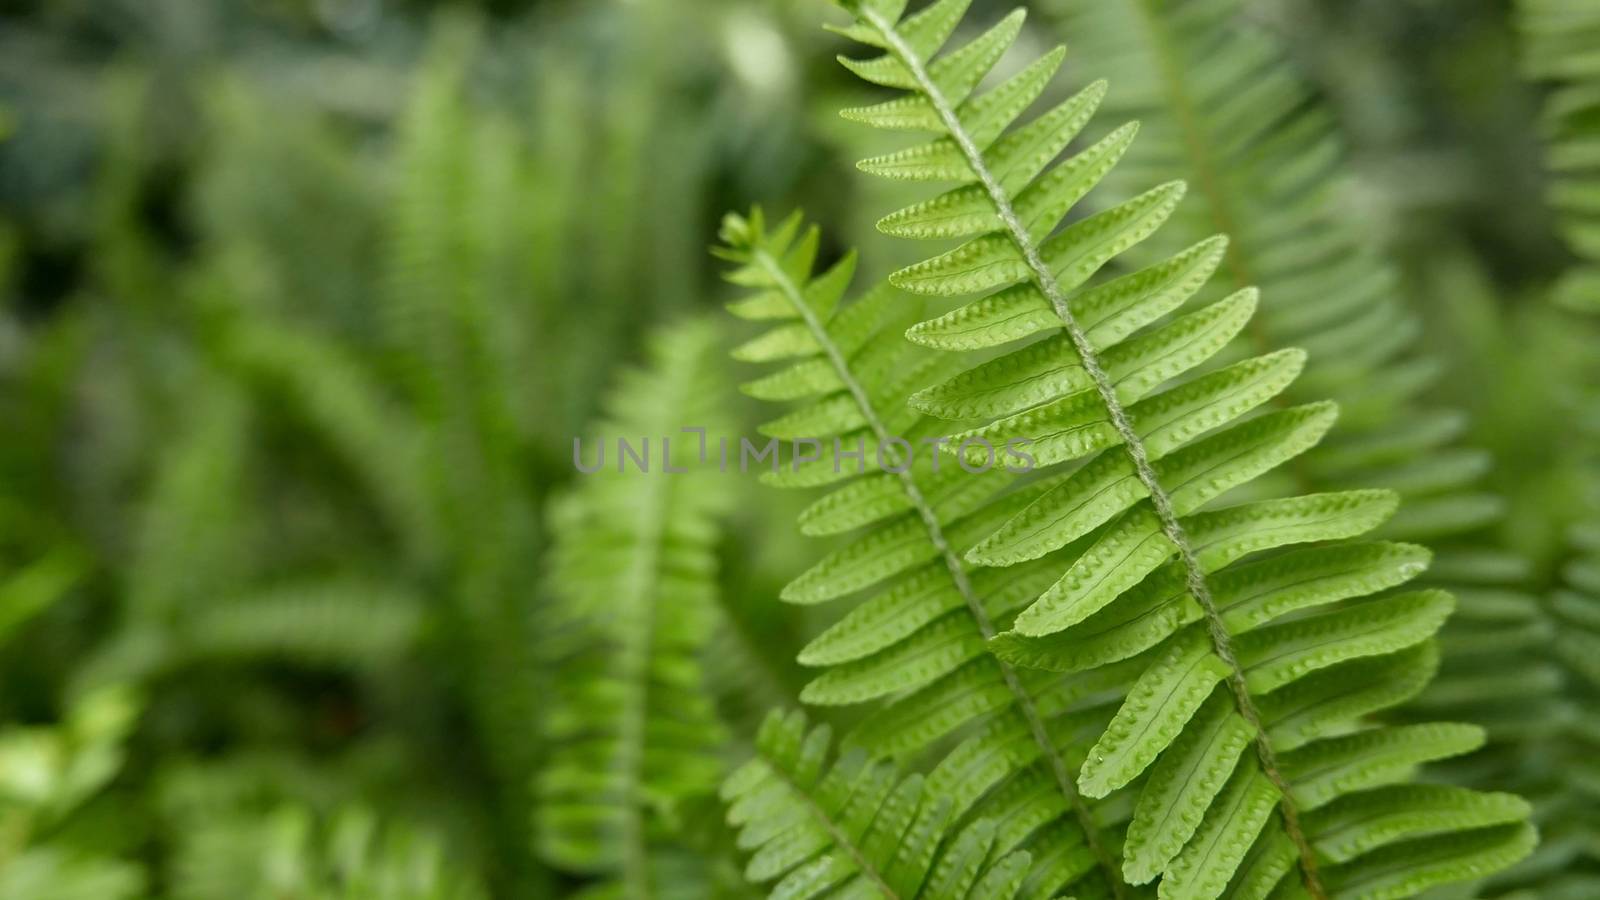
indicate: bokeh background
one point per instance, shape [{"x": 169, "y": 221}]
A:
[{"x": 302, "y": 303}]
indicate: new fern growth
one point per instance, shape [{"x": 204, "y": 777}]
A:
[
  {"x": 633, "y": 729},
  {"x": 1239, "y": 709}
]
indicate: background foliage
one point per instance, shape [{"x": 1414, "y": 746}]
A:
[{"x": 305, "y": 300}]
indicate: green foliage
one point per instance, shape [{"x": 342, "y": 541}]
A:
[
  {"x": 856, "y": 826},
  {"x": 1558, "y": 770},
  {"x": 48, "y": 773},
  {"x": 1566, "y": 865},
  {"x": 303, "y": 304}
]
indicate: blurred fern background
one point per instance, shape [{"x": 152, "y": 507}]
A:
[{"x": 303, "y": 303}]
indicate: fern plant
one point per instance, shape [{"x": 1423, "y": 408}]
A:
[
  {"x": 633, "y": 732},
  {"x": 410, "y": 388},
  {"x": 1560, "y": 772},
  {"x": 1218, "y": 713},
  {"x": 1568, "y": 862}
]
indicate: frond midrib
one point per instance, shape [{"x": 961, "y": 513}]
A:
[
  {"x": 1194, "y": 575},
  {"x": 953, "y": 564}
]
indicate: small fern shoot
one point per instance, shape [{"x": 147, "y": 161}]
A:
[
  {"x": 633, "y": 730},
  {"x": 1240, "y": 710}
]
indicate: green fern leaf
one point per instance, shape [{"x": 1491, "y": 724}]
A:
[
  {"x": 633, "y": 731},
  {"x": 922, "y": 630},
  {"x": 1153, "y": 543}
]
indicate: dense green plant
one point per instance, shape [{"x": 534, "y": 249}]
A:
[
  {"x": 854, "y": 826},
  {"x": 1567, "y": 864},
  {"x": 289, "y": 853},
  {"x": 1556, "y": 772}
]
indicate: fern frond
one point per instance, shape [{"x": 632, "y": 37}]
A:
[
  {"x": 1565, "y": 769},
  {"x": 454, "y": 305},
  {"x": 633, "y": 730},
  {"x": 196, "y": 534},
  {"x": 1156, "y": 459},
  {"x": 920, "y": 634},
  {"x": 1559, "y": 39},
  {"x": 1559, "y": 766}
]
